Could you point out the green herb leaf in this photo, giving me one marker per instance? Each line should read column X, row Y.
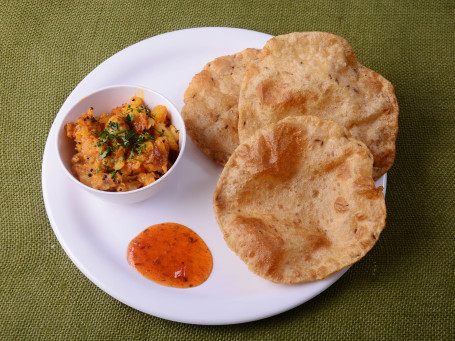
column 160, row 132
column 113, row 125
column 108, row 151
column 129, row 118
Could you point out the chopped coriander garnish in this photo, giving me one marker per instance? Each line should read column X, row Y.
column 129, row 118
column 147, row 110
column 107, row 151
column 112, row 137
column 160, row 132
column 126, row 138
column 113, row 125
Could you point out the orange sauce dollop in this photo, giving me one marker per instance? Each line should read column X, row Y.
column 171, row 254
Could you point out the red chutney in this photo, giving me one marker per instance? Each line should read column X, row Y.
column 171, row 254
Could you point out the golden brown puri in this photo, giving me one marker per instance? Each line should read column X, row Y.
column 315, row 73
column 211, row 105
column 297, row 201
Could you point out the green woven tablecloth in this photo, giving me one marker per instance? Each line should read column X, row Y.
column 403, row 289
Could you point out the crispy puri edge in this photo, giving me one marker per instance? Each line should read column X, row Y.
column 219, row 193
column 219, row 157
column 297, row 35
column 392, row 121
column 362, row 251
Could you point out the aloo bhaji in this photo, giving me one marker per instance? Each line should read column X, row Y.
column 126, row 149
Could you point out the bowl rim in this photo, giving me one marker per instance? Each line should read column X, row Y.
column 182, row 141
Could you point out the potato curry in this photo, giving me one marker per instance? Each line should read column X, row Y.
column 126, row 149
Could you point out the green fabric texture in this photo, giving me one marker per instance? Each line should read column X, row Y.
column 403, row 289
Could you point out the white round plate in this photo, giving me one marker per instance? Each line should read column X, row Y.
column 95, row 234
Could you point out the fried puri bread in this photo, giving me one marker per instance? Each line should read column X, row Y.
column 297, row 201
column 211, row 105
column 315, row 73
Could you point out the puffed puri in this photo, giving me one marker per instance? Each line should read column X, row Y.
column 297, row 201
column 317, row 73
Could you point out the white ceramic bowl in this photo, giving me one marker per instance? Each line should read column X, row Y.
column 104, row 100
